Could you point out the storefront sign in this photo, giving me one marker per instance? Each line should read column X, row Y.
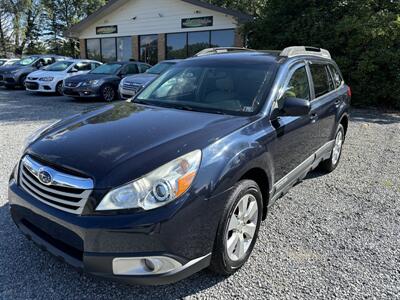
column 197, row 22
column 107, row 29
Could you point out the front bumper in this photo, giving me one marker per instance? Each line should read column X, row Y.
column 92, row 243
column 8, row 80
column 82, row 92
column 40, row 86
column 126, row 94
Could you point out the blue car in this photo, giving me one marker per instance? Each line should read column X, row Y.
column 179, row 178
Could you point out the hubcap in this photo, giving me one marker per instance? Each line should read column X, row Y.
column 337, row 149
column 108, row 93
column 242, row 227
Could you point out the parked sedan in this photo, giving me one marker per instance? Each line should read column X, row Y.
column 50, row 79
column 8, row 61
column 102, row 82
column 131, row 85
column 15, row 75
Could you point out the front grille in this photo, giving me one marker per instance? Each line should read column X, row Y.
column 60, row 190
column 33, row 78
column 71, row 84
column 132, row 87
column 32, row 85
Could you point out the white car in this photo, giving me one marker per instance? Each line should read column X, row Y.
column 8, row 61
column 50, row 79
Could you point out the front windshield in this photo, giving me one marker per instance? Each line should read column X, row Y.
column 27, row 61
column 109, row 69
column 229, row 88
column 159, row 68
column 59, row 66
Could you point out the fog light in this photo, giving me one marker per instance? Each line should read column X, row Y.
column 151, row 265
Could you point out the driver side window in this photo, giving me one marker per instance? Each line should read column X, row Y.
column 297, row 87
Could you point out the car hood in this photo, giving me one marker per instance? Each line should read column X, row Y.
column 87, row 77
column 141, row 79
column 122, row 142
column 8, row 69
column 43, row 73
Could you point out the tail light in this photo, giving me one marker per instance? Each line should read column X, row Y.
column 349, row 91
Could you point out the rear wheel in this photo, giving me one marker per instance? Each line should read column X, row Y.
column 59, row 88
column 238, row 228
column 108, row 93
column 331, row 164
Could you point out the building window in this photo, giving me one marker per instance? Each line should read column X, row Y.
column 124, row 48
column 198, row 41
column 108, row 50
column 222, row 38
column 148, row 45
column 93, row 49
column 183, row 45
column 176, row 45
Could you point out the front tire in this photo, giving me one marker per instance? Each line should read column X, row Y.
column 59, row 88
column 108, row 93
column 331, row 164
column 238, row 228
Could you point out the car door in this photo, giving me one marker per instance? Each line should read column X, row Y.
column 295, row 140
column 325, row 100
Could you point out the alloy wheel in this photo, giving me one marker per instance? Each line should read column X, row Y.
column 337, row 149
column 108, row 93
column 242, row 227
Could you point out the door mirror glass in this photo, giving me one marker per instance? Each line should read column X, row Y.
column 295, row 107
column 73, row 70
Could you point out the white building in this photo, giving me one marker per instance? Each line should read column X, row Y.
column 154, row 30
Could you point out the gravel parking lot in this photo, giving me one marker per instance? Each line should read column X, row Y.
column 332, row 236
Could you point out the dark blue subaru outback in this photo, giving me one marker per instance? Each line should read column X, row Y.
column 180, row 177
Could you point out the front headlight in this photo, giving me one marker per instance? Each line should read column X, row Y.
column 46, row 79
column 36, row 134
column 157, row 188
column 91, row 82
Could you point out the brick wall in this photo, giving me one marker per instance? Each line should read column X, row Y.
column 161, row 47
column 82, row 48
column 239, row 38
column 135, row 47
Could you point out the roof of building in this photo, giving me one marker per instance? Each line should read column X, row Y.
column 113, row 4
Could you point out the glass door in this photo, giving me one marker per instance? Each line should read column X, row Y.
column 149, row 49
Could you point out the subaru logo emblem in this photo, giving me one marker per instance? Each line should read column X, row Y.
column 45, row 177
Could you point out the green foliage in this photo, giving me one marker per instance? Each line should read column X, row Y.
column 363, row 37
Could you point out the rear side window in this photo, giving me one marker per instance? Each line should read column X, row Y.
column 323, row 82
column 337, row 78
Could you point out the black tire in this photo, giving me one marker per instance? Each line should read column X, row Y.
column 221, row 263
column 22, row 81
column 108, row 93
column 59, row 88
column 331, row 164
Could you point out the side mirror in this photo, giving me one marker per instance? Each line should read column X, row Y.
column 296, row 107
column 73, row 70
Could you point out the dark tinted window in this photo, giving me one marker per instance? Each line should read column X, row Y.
column 149, row 49
column 223, row 38
column 337, row 78
column 198, row 41
column 93, row 49
column 108, row 49
column 176, row 45
column 323, row 83
column 143, row 68
column 130, row 69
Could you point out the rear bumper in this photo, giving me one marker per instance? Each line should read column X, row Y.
column 91, row 243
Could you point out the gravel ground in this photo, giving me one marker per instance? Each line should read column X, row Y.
column 332, row 236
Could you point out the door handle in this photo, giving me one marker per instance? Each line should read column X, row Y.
column 313, row 117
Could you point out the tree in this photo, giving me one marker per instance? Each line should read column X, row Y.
column 363, row 37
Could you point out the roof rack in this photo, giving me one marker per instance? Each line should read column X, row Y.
column 305, row 50
column 218, row 50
